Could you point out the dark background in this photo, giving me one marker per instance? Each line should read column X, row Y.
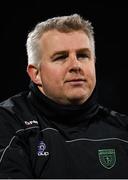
column 110, row 23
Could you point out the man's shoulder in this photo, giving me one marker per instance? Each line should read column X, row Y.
column 14, row 101
column 115, row 117
column 17, row 111
column 16, row 106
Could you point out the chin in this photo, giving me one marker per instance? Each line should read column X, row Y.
column 77, row 100
column 78, row 96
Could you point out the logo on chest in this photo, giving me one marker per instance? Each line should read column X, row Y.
column 107, row 157
column 41, row 149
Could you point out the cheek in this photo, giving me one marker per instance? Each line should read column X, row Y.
column 93, row 73
column 90, row 69
column 51, row 74
column 90, row 74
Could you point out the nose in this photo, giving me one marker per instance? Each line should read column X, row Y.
column 75, row 64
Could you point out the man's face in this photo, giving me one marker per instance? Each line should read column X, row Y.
column 67, row 69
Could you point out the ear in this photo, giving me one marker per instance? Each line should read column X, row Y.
column 34, row 74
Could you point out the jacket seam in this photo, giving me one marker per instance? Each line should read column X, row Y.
column 10, row 142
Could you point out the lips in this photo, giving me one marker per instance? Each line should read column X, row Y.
column 75, row 80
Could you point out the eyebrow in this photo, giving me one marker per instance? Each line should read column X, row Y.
column 66, row 52
column 83, row 50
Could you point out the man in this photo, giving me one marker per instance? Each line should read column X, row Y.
column 58, row 129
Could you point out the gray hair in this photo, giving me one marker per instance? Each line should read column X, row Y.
column 65, row 24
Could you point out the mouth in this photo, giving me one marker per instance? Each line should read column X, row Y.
column 76, row 82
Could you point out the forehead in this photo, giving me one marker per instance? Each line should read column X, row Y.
column 55, row 40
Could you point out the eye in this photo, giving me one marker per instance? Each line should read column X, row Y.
column 61, row 57
column 82, row 56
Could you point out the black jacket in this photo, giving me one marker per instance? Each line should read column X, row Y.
column 42, row 139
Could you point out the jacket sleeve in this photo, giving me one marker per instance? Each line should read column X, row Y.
column 14, row 159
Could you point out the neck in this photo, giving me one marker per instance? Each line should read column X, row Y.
column 64, row 113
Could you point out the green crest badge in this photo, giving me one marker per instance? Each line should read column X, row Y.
column 107, row 157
